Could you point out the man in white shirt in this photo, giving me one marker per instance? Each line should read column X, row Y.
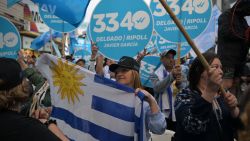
column 162, row 80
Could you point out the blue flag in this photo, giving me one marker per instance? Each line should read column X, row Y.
column 55, row 47
column 71, row 11
column 73, row 40
column 10, row 3
column 40, row 41
column 56, row 34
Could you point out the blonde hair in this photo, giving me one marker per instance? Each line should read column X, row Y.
column 10, row 99
column 136, row 79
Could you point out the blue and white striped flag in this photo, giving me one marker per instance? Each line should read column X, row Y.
column 44, row 38
column 40, row 41
column 88, row 107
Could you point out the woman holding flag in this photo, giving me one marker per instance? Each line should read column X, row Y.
column 202, row 112
column 127, row 73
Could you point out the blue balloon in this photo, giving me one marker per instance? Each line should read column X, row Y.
column 193, row 14
column 62, row 15
column 121, row 27
column 10, row 40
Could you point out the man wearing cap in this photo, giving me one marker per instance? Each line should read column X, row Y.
column 162, row 80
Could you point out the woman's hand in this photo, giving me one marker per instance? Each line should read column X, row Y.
column 232, row 103
column 150, row 99
column 231, row 100
column 42, row 114
column 21, row 61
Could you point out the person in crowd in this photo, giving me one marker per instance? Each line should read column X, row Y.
column 203, row 113
column 70, row 58
column 29, row 53
column 13, row 92
column 106, row 72
column 91, row 65
column 31, row 60
column 245, row 77
column 233, row 42
column 127, row 73
column 245, row 116
column 81, row 62
column 162, row 80
column 40, row 96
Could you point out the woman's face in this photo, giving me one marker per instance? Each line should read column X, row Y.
column 124, row 76
column 216, row 77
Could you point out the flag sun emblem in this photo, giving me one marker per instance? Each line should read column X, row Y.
column 68, row 79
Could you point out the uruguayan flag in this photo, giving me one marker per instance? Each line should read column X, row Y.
column 88, row 107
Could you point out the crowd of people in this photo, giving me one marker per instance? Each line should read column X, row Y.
column 199, row 111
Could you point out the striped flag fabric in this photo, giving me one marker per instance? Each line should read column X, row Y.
column 89, row 107
column 44, row 38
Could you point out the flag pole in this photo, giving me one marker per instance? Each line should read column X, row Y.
column 178, row 61
column 188, row 38
column 64, row 36
column 51, row 44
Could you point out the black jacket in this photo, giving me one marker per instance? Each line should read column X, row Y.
column 16, row 127
column 232, row 43
column 197, row 121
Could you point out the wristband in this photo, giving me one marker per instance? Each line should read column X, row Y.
column 48, row 122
